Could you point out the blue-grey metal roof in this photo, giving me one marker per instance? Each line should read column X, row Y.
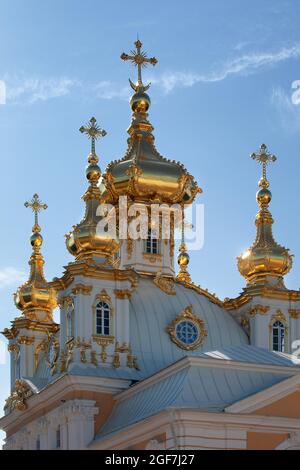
column 152, row 310
column 193, row 387
column 252, row 354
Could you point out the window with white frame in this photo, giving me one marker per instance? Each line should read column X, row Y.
column 278, row 336
column 103, row 318
column 152, row 243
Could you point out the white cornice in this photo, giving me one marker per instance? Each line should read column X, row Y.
column 57, row 391
column 160, row 422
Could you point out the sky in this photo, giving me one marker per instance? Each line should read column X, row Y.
column 225, row 82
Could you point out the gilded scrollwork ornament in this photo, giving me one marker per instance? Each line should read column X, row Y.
column 18, row 397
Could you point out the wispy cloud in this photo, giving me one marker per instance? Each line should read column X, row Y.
column 30, row 90
column 10, row 276
column 243, row 65
column 107, row 90
column 22, row 90
column 288, row 112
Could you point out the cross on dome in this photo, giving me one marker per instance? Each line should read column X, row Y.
column 263, row 157
column 93, row 131
column 139, row 59
column 36, row 205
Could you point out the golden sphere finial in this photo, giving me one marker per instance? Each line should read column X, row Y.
column 140, row 102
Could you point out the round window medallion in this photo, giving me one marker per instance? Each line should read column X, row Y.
column 187, row 332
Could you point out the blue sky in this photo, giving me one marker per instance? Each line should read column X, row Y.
column 222, row 86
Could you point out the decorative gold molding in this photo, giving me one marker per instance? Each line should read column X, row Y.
column 152, row 257
column 123, row 293
column 27, row 324
column 82, row 289
column 18, row 397
column 263, row 291
column 81, row 343
column 65, row 301
column 14, row 348
column 259, row 309
column 103, row 296
column 28, row 340
column 89, row 268
column 116, row 360
column 94, row 359
column 166, row 284
column 294, row 313
column 41, row 347
column 103, row 340
column 279, row 315
column 10, row 333
column 187, row 314
column 129, row 247
column 122, row 348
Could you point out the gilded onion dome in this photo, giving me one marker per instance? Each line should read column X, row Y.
column 87, row 239
column 265, row 259
column 35, row 298
column 143, row 174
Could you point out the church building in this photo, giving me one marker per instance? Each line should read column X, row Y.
column 142, row 356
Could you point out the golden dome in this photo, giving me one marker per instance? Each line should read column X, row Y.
column 265, row 259
column 143, row 174
column 87, row 239
column 35, row 298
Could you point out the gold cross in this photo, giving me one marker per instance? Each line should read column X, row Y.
column 263, row 157
column 139, row 59
column 93, row 131
column 36, row 205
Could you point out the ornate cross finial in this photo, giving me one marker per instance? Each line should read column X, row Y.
column 93, row 131
column 36, row 205
column 139, row 59
column 263, row 157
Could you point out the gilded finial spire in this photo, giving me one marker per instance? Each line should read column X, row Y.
column 265, row 260
column 86, row 240
column 36, row 205
column 263, row 157
column 183, row 258
column 139, row 59
column 93, row 131
column 35, row 297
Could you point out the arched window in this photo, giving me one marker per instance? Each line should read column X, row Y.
column 278, row 336
column 102, row 318
column 152, row 243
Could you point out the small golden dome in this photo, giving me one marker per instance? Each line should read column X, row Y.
column 35, row 298
column 265, row 259
column 87, row 239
